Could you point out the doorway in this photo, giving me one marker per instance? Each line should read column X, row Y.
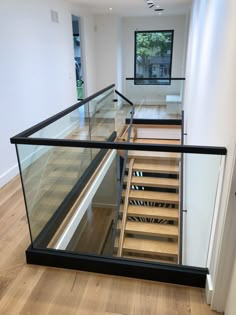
column 78, row 57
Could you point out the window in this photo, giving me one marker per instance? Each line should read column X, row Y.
column 153, row 57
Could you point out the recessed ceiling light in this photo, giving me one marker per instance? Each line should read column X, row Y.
column 110, row 9
column 157, row 6
column 160, row 13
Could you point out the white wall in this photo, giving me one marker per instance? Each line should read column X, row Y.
column 37, row 69
column 37, row 76
column 210, row 113
column 231, row 303
column 132, row 24
column 108, row 50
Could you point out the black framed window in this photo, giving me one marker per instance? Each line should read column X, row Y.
column 153, row 57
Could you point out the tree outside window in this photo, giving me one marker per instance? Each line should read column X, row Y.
column 153, row 56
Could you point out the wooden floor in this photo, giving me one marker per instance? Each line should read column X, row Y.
column 26, row 289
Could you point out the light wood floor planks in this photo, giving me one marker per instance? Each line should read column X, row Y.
column 26, row 289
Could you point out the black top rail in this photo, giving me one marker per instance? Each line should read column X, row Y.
column 48, row 121
column 141, row 79
column 194, row 149
column 125, row 98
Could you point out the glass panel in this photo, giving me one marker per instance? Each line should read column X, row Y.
column 50, row 174
column 127, row 210
column 156, row 101
column 92, row 121
column 74, row 125
column 102, row 116
column 94, row 233
column 201, row 180
column 123, row 111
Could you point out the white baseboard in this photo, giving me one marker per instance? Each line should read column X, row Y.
column 149, row 102
column 14, row 170
column 8, row 175
column 208, row 289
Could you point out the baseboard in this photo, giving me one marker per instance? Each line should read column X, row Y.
column 149, row 102
column 8, row 175
column 14, row 170
column 208, row 289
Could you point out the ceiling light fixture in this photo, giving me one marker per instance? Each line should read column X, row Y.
column 110, row 9
column 156, row 7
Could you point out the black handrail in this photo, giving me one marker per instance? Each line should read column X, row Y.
column 46, row 122
column 125, row 98
column 169, row 78
column 194, row 149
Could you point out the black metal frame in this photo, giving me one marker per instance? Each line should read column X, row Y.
column 171, row 57
column 143, row 121
column 184, row 275
column 140, row 79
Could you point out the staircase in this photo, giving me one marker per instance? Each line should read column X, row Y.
column 148, row 225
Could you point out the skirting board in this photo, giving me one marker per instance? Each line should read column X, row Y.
column 149, row 103
column 208, row 289
column 7, row 176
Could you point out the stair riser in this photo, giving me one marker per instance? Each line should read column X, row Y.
column 154, row 200
column 157, row 234
column 130, row 214
column 150, row 185
column 136, row 169
column 155, row 158
column 129, row 250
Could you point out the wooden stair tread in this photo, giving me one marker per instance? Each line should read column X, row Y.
column 158, row 141
column 154, row 196
column 151, row 247
column 155, row 155
column 157, row 126
column 151, row 229
column 154, row 229
column 153, row 212
column 154, row 181
column 155, row 167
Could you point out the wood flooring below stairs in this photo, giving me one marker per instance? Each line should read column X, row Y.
column 148, row 226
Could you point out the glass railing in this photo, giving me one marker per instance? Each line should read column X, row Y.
column 90, row 119
column 139, row 196
column 165, row 95
column 54, row 176
column 130, row 207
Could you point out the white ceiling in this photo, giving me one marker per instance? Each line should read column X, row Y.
column 135, row 7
